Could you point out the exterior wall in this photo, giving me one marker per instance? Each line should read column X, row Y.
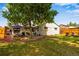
column 51, row 29
column 2, row 32
column 42, row 30
column 46, row 29
column 64, row 31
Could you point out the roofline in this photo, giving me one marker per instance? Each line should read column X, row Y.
column 56, row 24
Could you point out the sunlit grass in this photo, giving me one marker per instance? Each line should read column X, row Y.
column 45, row 47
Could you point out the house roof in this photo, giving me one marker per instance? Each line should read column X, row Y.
column 16, row 26
column 67, row 26
column 56, row 24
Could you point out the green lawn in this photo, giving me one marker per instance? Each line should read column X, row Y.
column 45, row 47
column 67, row 38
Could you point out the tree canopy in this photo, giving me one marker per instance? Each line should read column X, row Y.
column 29, row 14
column 72, row 24
column 24, row 13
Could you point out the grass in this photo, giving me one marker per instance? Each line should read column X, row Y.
column 67, row 38
column 44, row 47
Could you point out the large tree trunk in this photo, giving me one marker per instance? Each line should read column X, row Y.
column 30, row 28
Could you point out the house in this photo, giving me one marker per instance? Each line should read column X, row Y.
column 69, row 30
column 16, row 29
column 3, row 32
column 19, row 29
column 49, row 29
column 45, row 29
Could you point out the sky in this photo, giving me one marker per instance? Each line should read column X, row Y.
column 3, row 21
column 67, row 12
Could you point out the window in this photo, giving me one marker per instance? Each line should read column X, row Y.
column 55, row 28
column 73, row 34
column 67, row 34
column 45, row 27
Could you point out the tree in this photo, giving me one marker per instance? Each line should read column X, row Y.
column 29, row 14
column 72, row 24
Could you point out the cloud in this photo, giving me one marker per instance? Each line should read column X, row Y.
column 73, row 11
column 3, row 21
column 4, row 9
column 76, row 6
column 0, row 13
column 76, row 16
column 68, row 5
column 76, row 11
column 63, row 4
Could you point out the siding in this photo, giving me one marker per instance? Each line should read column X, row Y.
column 69, row 30
column 50, row 29
column 2, row 32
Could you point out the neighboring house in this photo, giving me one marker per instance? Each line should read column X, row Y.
column 3, row 32
column 69, row 30
column 19, row 29
column 16, row 29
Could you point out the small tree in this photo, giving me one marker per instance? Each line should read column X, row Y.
column 72, row 24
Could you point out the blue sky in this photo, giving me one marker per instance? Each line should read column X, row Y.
column 3, row 21
column 66, row 12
